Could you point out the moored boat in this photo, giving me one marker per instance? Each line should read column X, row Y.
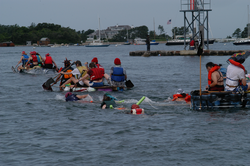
column 242, row 42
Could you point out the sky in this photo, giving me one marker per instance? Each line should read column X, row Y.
column 226, row 15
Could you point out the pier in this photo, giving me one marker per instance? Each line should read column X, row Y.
column 184, row 53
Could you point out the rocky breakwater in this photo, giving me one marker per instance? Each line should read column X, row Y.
column 184, row 53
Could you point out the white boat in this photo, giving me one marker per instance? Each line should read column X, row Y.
column 179, row 40
column 242, row 42
column 139, row 41
column 98, row 42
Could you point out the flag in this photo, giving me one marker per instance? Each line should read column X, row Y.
column 169, row 22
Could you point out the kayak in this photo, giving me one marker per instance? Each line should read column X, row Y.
column 218, row 99
column 92, row 89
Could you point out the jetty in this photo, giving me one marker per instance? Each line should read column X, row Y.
column 184, row 53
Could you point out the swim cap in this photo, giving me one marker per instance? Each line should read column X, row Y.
column 117, row 61
column 95, row 60
column 68, row 94
column 134, row 106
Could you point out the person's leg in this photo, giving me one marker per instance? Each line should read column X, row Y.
column 69, row 81
column 248, row 84
column 86, row 82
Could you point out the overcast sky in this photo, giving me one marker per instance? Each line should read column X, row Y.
column 225, row 17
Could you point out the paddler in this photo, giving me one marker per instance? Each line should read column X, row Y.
column 106, row 76
column 64, row 77
column 236, row 78
column 79, row 72
column 48, row 62
column 24, row 60
column 215, row 77
column 39, row 59
column 73, row 97
column 33, row 59
column 118, row 74
column 95, row 75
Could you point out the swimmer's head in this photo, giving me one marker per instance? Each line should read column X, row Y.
column 68, row 94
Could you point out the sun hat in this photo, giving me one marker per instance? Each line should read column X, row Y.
column 180, row 91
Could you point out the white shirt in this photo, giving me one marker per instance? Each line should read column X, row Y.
column 77, row 73
column 234, row 74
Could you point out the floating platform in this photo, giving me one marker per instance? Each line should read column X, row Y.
column 184, row 53
column 216, row 99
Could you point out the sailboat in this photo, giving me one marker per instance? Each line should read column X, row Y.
column 98, row 42
column 127, row 43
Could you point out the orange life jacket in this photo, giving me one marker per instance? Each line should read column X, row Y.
column 176, row 96
column 213, row 69
column 68, row 75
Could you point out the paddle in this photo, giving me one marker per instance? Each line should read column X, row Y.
column 13, row 69
column 47, row 86
column 129, row 84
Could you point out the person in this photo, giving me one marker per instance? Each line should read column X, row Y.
column 95, row 75
column 33, row 59
column 95, row 61
column 73, row 97
column 118, row 74
column 108, row 101
column 24, row 60
column 148, row 43
column 191, row 44
column 64, row 77
column 235, row 76
column 48, row 62
column 215, row 77
column 79, row 72
column 182, row 96
column 39, row 59
column 105, row 75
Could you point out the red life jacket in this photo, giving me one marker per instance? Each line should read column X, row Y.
column 48, row 60
column 236, row 64
column 213, row 69
column 100, row 67
column 97, row 74
column 34, row 58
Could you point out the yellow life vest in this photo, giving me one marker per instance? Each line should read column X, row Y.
column 82, row 70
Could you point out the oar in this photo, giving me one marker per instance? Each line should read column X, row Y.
column 47, row 86
column 13, row 69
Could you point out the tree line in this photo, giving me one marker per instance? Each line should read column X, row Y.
column 58, row 34
column 240, row 34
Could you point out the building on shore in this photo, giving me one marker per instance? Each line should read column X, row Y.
column 110, row 32
column 44, row 41
column 7, row 44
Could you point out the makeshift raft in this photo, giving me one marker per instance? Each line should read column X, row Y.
column 216, row 99
column 92, row 89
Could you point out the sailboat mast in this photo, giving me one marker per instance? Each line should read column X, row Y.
column 154, row 28
column 99, row 30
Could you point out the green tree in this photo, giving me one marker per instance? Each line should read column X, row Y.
column 179, row 30
column 161, row 29
column 244, row 33
column 237, row 33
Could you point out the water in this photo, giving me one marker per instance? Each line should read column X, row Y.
column 40, row 128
